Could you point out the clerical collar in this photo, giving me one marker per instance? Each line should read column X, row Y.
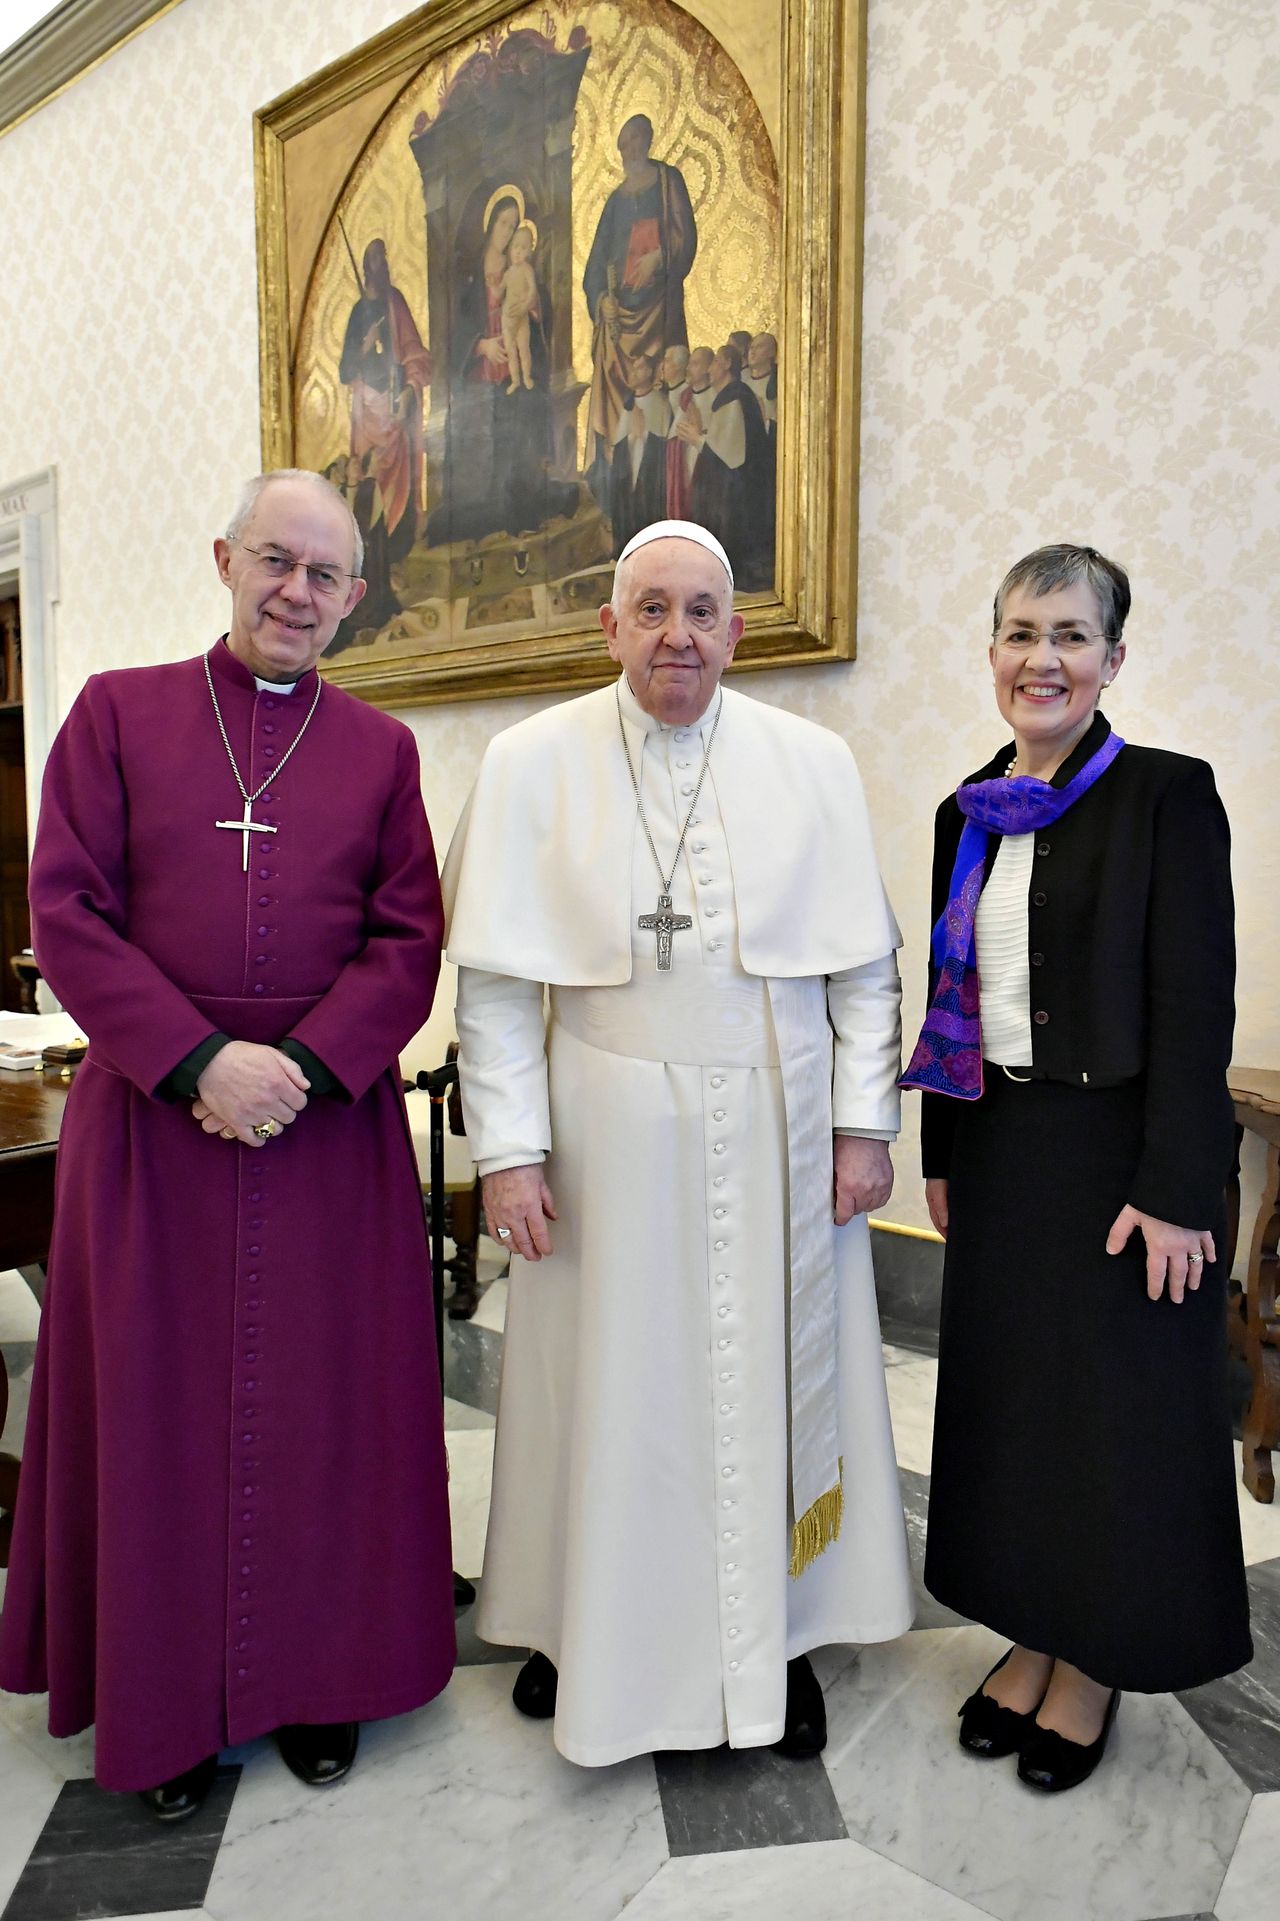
column 275, row 686
column 649, row 723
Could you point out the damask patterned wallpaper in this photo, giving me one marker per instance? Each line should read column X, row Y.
column 1072, row 321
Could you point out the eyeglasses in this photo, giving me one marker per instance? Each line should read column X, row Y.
column 1020, row 640
column 280, row 565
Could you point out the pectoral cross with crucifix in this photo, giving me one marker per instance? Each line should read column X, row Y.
column 247, row 826
column 664, row 924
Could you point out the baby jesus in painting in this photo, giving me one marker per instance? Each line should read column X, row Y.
column 519, row 298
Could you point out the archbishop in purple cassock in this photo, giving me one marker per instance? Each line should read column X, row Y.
column 233, row 1514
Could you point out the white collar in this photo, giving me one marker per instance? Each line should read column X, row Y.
column 649, row 723
column 274, row 686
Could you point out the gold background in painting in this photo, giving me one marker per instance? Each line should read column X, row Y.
column 647, row 57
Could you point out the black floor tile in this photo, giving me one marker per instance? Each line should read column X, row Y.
column 1241, row 1714
column 103, row 1854
column 720, row 1799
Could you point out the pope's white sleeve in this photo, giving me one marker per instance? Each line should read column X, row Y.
column 502, row 1066
column 865, row 1005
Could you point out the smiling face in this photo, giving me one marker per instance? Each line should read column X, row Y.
column 675, row 629
column 280, row 627
column 1050, row 666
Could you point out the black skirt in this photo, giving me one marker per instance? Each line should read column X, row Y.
column 1082, row 1499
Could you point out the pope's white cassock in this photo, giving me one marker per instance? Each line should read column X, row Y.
column 684, row 1376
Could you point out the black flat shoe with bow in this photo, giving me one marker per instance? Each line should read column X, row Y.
column 805, row 1731
column 535, row 1690
column 319, row 1754
column 990, row 1730
column 185, row 1795
column 1050, row 1762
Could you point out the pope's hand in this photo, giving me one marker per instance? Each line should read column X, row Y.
column 244, row 1085
column 518, row 1198
column 863, row 1175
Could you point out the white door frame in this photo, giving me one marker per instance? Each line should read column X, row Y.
column 29, row 558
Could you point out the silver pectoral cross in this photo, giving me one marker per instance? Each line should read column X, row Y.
column 246, row 826
column 664, row 924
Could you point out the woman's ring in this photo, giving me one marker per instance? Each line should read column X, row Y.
column 265, row 1129
column 503, row 1233
column 1193, row 1258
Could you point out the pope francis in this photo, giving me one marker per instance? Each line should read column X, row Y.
column 694, row 1478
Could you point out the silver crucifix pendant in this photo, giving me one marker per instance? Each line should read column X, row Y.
column 246, row 827
column 664, row 924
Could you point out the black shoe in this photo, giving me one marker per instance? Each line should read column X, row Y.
column 989, row 1730
column 535, row 1690
column 1050, row 1762
column 805, row 1733
column 319, row 1755
column 179, row 1799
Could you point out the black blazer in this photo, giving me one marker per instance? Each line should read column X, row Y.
column 1132, row 952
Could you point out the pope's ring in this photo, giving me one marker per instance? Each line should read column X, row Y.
column 264, row 1130
column 503, row 1233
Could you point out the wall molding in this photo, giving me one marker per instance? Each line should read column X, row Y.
column 62, row 48
column 29, row 554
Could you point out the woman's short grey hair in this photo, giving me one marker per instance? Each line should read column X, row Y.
column 252, row 490
column 1049, row 568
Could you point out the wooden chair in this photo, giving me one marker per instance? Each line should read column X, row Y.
column 461, row 1189
column 1253, row 1323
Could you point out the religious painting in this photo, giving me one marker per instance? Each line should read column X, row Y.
column 534, row 277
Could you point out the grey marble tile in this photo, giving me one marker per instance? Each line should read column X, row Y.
column 1152, row 1833
column 908, row 1288
column 28, row 1790
column 463, row 1810
column 915, row 1508
column 1253, row 1880
column 472, row 1364
column 19, row 1309
column 470, row 1479
column 722, row 1798
column 825, row 1881
column 911, row 1381
column 103, row 1854
column 1241, row 1713
column 19, row 1357
column 458, row 1416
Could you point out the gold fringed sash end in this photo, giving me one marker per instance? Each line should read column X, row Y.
column 816, row 1529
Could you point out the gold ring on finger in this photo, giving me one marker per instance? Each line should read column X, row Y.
column 265, row 1129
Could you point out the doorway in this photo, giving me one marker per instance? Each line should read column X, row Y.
column 15, row 920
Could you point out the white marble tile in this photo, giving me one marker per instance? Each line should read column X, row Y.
column 464, row 1809
column 15, row 1426
column 912, row 1381
column 19, row 1311
column 26, row 1718
column 492, row 1311
column 1252, row 1886
column 470, row 1476
column 458, row 1416
column 822, row 1881
column 1150, row 1834
column 1259, row 1520
column 28, row 1790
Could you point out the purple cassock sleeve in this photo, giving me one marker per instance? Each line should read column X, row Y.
column 79, row 903
column 381, row 998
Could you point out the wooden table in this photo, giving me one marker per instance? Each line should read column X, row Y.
column 1255, row 1308
column 31, row 1107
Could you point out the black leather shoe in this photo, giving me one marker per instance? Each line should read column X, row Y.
column 989, row 1730
column 1050, row 1762
column 179, row 1799
column 805, row 1732
column 535, row 1690
column 319, row 1755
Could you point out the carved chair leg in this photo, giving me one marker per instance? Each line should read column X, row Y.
column 1261, row 1426
column 466, row 1232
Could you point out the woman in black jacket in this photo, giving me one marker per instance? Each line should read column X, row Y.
column 1077, row 1138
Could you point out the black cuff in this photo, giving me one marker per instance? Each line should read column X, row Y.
column 180, row 1084
column 323, row 1081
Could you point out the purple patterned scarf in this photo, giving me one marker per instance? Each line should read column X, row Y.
column 948, row 1056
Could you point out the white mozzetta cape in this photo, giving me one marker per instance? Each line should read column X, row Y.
column 545, row 893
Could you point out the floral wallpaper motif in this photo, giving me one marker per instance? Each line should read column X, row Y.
column 1071, row 328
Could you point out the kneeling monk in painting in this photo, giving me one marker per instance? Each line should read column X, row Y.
column 694, row 1479
column 233, row 1513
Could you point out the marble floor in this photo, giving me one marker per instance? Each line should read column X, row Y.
column 465, row 1810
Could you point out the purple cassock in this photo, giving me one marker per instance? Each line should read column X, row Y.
column 233, row 1512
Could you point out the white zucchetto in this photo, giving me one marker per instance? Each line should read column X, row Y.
column 677, row 530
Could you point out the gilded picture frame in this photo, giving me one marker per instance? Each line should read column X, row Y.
column 479, row 235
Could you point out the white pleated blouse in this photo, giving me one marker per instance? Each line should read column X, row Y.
column 1002, row 940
